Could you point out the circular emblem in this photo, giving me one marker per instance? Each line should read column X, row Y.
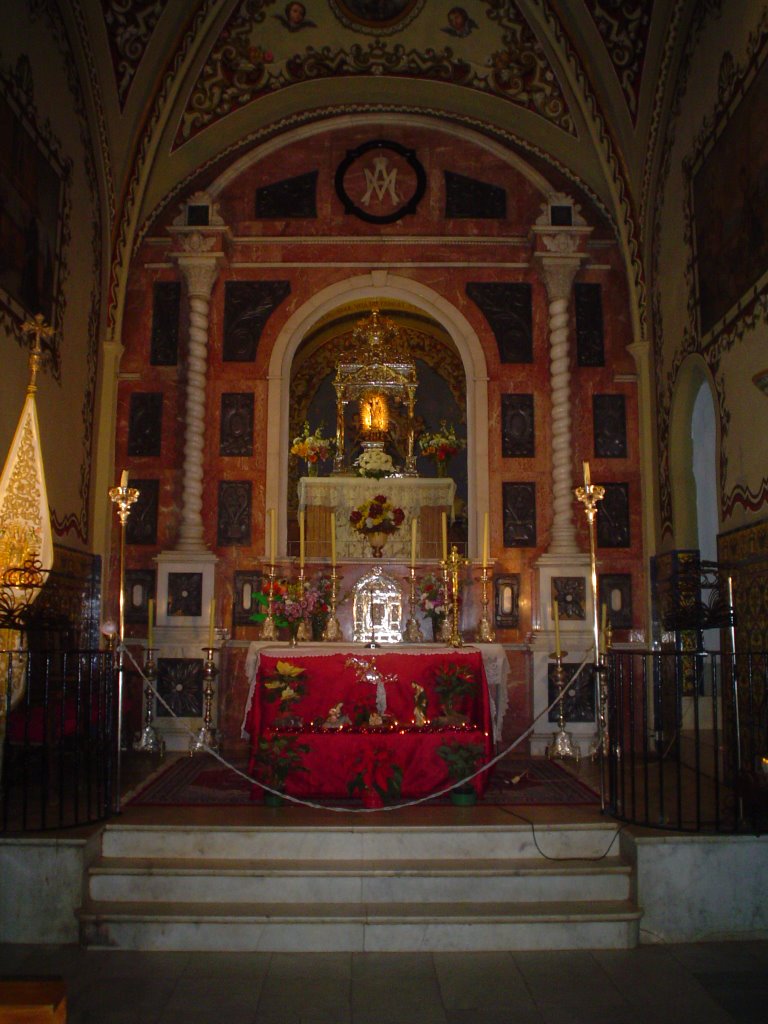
column 380, row 182
column 378, row 17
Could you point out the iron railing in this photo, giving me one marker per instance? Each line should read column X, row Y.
column 58, row 752
column 687, row 740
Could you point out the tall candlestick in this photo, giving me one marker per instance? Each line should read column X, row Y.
column 414, row 527
column 272, row 536
column 557, row 628
column 124, row 478
column 212, row 624
column 333, row 539
column 603, row 629
column 586, row 474
column 301, row 538
column 486, row 557
column 444, row 531
column 150, row 621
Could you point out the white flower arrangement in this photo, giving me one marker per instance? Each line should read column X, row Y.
column 374, row 462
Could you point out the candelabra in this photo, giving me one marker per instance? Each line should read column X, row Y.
column 122, row 497
column 206, row 735
column 485, row 633
column 451, row 567
column 444, row 632
column 148, row 742
column 332, row 630
column 412, row 633
column 268, row 626
column 563, row 744
column 303, row 631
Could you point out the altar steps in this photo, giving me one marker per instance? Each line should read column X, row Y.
column 359, row 888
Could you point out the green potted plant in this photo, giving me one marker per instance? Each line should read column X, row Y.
column 453, row 682
column 462, row 759
column 278, row 757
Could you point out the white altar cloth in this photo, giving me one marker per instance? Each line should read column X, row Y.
column 494, row 658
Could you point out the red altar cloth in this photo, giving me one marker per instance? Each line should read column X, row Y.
column 335, row 757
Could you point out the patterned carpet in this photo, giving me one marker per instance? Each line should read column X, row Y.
column 203, row 781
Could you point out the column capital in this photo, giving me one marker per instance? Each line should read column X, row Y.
column 200, row 268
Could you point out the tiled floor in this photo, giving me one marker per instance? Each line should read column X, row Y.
column 713, row 983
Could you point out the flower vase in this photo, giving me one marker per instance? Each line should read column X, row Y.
column 293, row 633
column 377, row 539
column 312, row 469
column 437, row 627
column 441, row 467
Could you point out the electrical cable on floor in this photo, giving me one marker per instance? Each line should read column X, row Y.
column 388, row 807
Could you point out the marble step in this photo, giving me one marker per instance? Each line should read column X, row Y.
column 363, row 843
column 521, row 880
column 333, row 927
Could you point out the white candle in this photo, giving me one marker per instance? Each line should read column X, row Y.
column 414, row 528
column 301, row 538
column 150, row 621
column 557, row 629
column 212, row 624
column 124, row 478
column 444, row 531
column 586, row 474
column 486, row 558
column 332, row 517
column 272, row 536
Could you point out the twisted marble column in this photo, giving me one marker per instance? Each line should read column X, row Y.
column 558, row 274
column 200, row 273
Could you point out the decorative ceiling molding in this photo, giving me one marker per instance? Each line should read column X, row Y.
column 624, row 28
column 129, row 25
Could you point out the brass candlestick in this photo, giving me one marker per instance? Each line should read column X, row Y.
column 303, row 633
column 206, row 736
column 454, row 563
column 444, row 633
column 412, row 633
column 148, row 741
column 589, row 495
column 485, row 633
column 268, row 626
column 332, row 630
column 563, row 745
column 122, row 498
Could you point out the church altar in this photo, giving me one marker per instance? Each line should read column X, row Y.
column 422, row 497
column 331, row 757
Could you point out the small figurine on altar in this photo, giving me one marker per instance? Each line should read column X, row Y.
column 419, row 705
column 336, row 718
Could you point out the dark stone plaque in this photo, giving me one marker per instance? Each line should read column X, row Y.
column 236, row 426
column 180, row 684
column 185, row 594
column 139, row 587
column 247, row 307
column 579, row 703
column 164, row 342
column 570, row 592
column 613, row 517
column 234, row 519
column 470, row 198
column 519, row 509
column 517, row 426
column 141, row 527
column 288, row 199
column 590, row 349
column 145, row 421
column 609, row 418
column 506, row 603
column 508, row 310
column 615, row 592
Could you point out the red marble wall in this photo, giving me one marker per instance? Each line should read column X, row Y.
column 486, row 250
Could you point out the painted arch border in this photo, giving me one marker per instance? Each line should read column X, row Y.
column 382, row 286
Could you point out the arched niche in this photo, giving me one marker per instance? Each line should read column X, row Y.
column 379, row 288
column 694, row 395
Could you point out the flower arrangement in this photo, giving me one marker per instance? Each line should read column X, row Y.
column 286, row 685
column 378, row 777
column 430, row 595
column 452, row 683
column 374, row 462
column 276, row 758
column 377, row 515
column 441, row 445
column 313, row 448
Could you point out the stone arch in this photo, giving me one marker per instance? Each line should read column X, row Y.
column 379, row 286
column 694, row 374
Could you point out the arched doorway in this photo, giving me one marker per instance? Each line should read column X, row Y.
column 427, row 314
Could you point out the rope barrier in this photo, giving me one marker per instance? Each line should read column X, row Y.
column 366, row 810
